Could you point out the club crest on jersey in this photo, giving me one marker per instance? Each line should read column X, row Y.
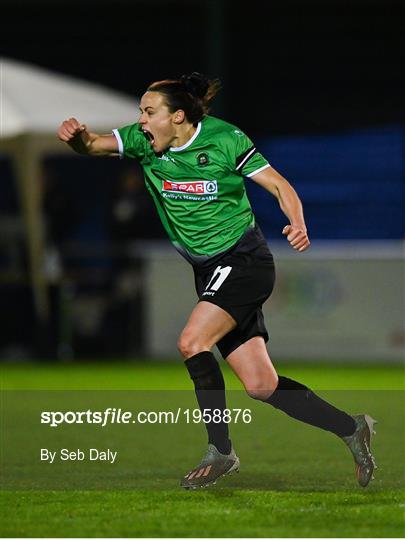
column 202, row 159
column 200, row 187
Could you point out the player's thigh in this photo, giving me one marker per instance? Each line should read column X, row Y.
column 207, row 324
column 252, row 365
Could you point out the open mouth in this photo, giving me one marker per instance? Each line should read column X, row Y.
column 149, row 136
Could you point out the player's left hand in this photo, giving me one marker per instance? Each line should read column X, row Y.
column 297, row 236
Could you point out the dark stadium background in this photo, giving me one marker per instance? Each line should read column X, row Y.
column 309, row 81
column 291, row 66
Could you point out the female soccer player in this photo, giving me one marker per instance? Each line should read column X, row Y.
column 195, row 166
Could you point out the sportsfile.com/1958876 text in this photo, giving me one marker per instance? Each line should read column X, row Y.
column 113, row 415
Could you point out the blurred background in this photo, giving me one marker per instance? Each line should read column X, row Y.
column 85, row 268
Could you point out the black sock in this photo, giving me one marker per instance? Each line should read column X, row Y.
column 210, row 391
column 301, row 403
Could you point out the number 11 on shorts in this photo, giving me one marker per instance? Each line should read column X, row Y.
column 218, row 277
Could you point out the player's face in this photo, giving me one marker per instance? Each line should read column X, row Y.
column 157, row 121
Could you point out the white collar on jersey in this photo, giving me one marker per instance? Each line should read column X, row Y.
column 190, row 141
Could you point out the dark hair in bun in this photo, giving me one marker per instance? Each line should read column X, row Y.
column 191, row 93
column 196, row 84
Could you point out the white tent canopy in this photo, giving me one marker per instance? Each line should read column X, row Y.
column 33, row 102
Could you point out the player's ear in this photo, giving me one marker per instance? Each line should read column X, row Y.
column 179, row 116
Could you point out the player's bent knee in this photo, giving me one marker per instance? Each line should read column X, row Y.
column 189, row 345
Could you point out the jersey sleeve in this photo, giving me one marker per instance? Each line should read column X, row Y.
column 131, row 142
column 247, row 161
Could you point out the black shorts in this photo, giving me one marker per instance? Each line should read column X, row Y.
column 239, row 282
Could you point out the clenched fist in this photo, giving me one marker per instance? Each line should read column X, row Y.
column 69, row 129
column 297, row 236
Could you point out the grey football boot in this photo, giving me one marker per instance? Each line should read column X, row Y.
column 213, row 466
column 359, row 445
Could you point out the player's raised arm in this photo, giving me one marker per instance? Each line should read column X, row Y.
column 82, row 141
column 290, row 204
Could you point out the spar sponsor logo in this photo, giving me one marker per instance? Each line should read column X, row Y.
column 199, row 187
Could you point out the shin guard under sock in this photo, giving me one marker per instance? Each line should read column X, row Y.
column 301, row 403
column 209, row 385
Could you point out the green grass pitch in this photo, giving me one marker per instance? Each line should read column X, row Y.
column 295, row 481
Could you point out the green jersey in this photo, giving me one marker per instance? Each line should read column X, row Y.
column 199, row 188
